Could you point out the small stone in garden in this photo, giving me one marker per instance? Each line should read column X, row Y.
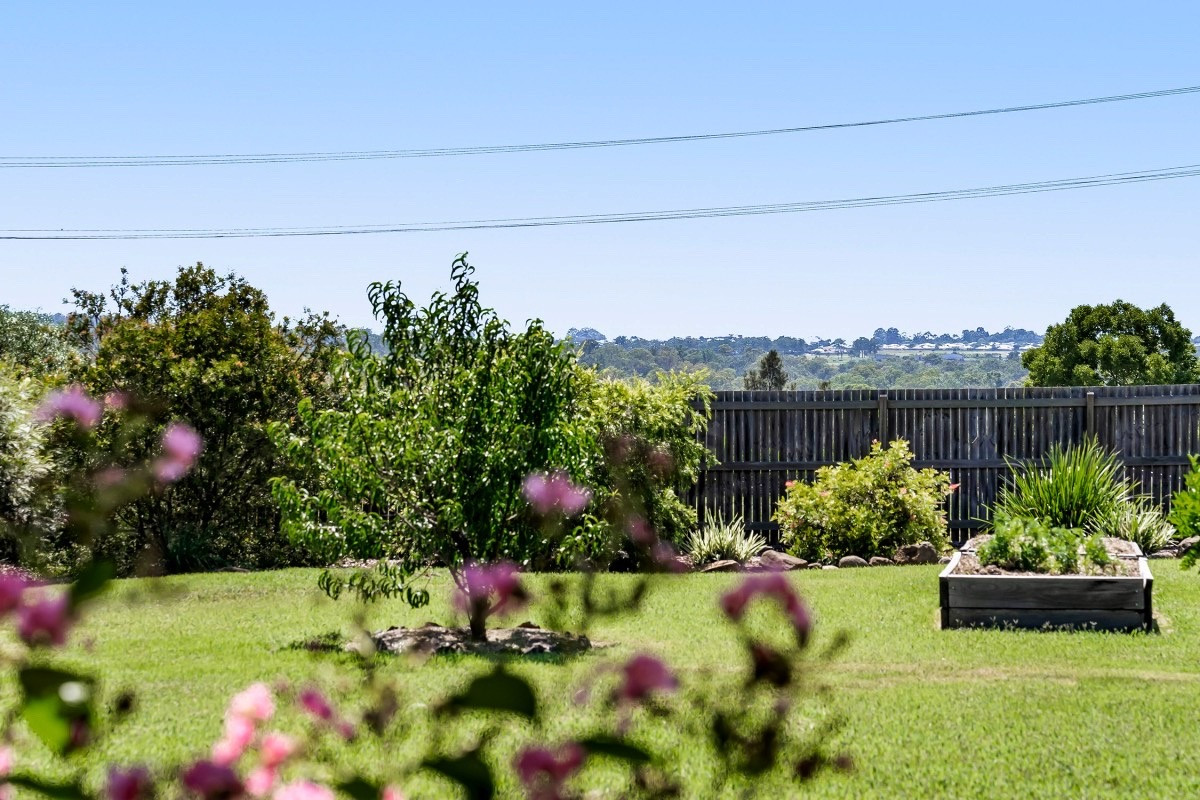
column 829, row 566
column 944, row 560
column 1188, row 544
column 773, row 559
column 921, row 553
column 847, row 562
column 815, row 565
column 1163, row 554
column 880, row 561
column 525, row 639
column 725, row 565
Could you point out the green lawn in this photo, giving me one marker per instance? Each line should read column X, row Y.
column 928, row 713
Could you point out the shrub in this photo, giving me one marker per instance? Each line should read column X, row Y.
column 1029, row 544
column 719, row 540
column 865, row 507
column 1080, row 486
column 1185, row 511
column 1138, row 520
column 23, row 462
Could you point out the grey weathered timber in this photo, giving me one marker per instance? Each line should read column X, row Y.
column 761, row 440
column 1056, row 601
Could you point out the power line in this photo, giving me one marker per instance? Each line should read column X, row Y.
column 75, row 162
column 1058, row 185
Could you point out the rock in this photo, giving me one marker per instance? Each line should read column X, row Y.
column 944, row 560
column 846, row 562
column 922, row 553
column 815, row 565
column 525, row 639
column 1188, row 544
column 1163, row 554
column 829, row 566
column 880, row 561
column 773, row 559
column 725, row 565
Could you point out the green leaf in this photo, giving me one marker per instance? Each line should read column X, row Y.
column 468, row 771
column 91, row 582
column 359, row 789
column 56, row 791
column 498, row 691
column 615, row 747
column 52, row 701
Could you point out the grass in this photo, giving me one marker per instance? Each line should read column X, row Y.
column 929, row 713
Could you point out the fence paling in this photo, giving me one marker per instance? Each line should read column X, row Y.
column 762, row 439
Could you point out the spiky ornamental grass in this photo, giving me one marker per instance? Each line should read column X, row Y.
column 719, row 540
column 1079, row 486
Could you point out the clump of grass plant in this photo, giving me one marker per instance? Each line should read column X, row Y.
column 1138, row 521
column 719, row 540
column 1080, row 485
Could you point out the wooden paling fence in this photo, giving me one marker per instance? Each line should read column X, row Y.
column 762, row 439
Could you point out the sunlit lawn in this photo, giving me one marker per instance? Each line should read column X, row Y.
column 928, row 713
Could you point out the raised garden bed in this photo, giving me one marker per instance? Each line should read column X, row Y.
column 986, row 597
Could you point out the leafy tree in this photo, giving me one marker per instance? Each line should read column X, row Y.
column 205, row 349
column 24, row 465
column 31, row 344
column 425, row 459
column 864, row 345
column 1114, row 345
column 769, row 373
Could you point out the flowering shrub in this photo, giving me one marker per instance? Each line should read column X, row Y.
column 868, row 506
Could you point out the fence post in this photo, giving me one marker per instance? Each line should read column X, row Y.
column 1089, row 420
column 882, row 411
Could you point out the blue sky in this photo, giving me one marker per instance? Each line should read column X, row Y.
column 137, row 79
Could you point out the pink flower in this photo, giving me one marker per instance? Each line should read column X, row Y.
column 315, row 703
column 303, row 790
column 482, row 582
column 254, row 702
column 12, row 587
column 212, row 781
column 129, row 784
column 642, row 675
column 116, row 400
column 773, row 585
column 276, row 748
column 45, row 621
column 260, row 781
column 555, row 493
column 181, row 445
column 544, row 772
column 391, row 793
column 6, row 761
column 70, row 403
column 239, row 732
column 641, row 533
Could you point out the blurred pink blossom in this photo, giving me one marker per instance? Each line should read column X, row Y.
column 665, row 556
column 482, row 582
column 70, row 403
column 640, row 532
column 116, row 400
column 45, row 621
column 303, row 790
column 555, row 493
column 315, row 703
column 391, row 793
column 239, row 732
column 773, row 585
column 181, row 445
column 129, row 784
column 276, row 748
column 254, row 702
column 12, row 587
column 642, row 675
column 260, row 781
column 544, row 772
column 6, row 760
column 212, row 781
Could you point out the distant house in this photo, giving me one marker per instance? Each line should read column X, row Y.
column 954, row 357
column 830, row 350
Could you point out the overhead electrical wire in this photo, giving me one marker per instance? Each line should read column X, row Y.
column 77, row 162
column 1062, row 184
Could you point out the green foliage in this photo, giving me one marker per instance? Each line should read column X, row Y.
column 1114, row 345
column 424, row 459
column 205, row 349
column 1028, row 544
column 24, row 466
column 1185, row 511
column 1138, row 520
column 1080, row 485
column 719, row 540
column 31, row 344
column 769, row 374
column 649, row 452
column 866, row 507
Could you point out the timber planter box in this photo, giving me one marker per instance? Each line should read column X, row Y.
column 1100, row 602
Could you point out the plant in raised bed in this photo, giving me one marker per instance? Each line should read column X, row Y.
column 865, row 507
column 1028, row 544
